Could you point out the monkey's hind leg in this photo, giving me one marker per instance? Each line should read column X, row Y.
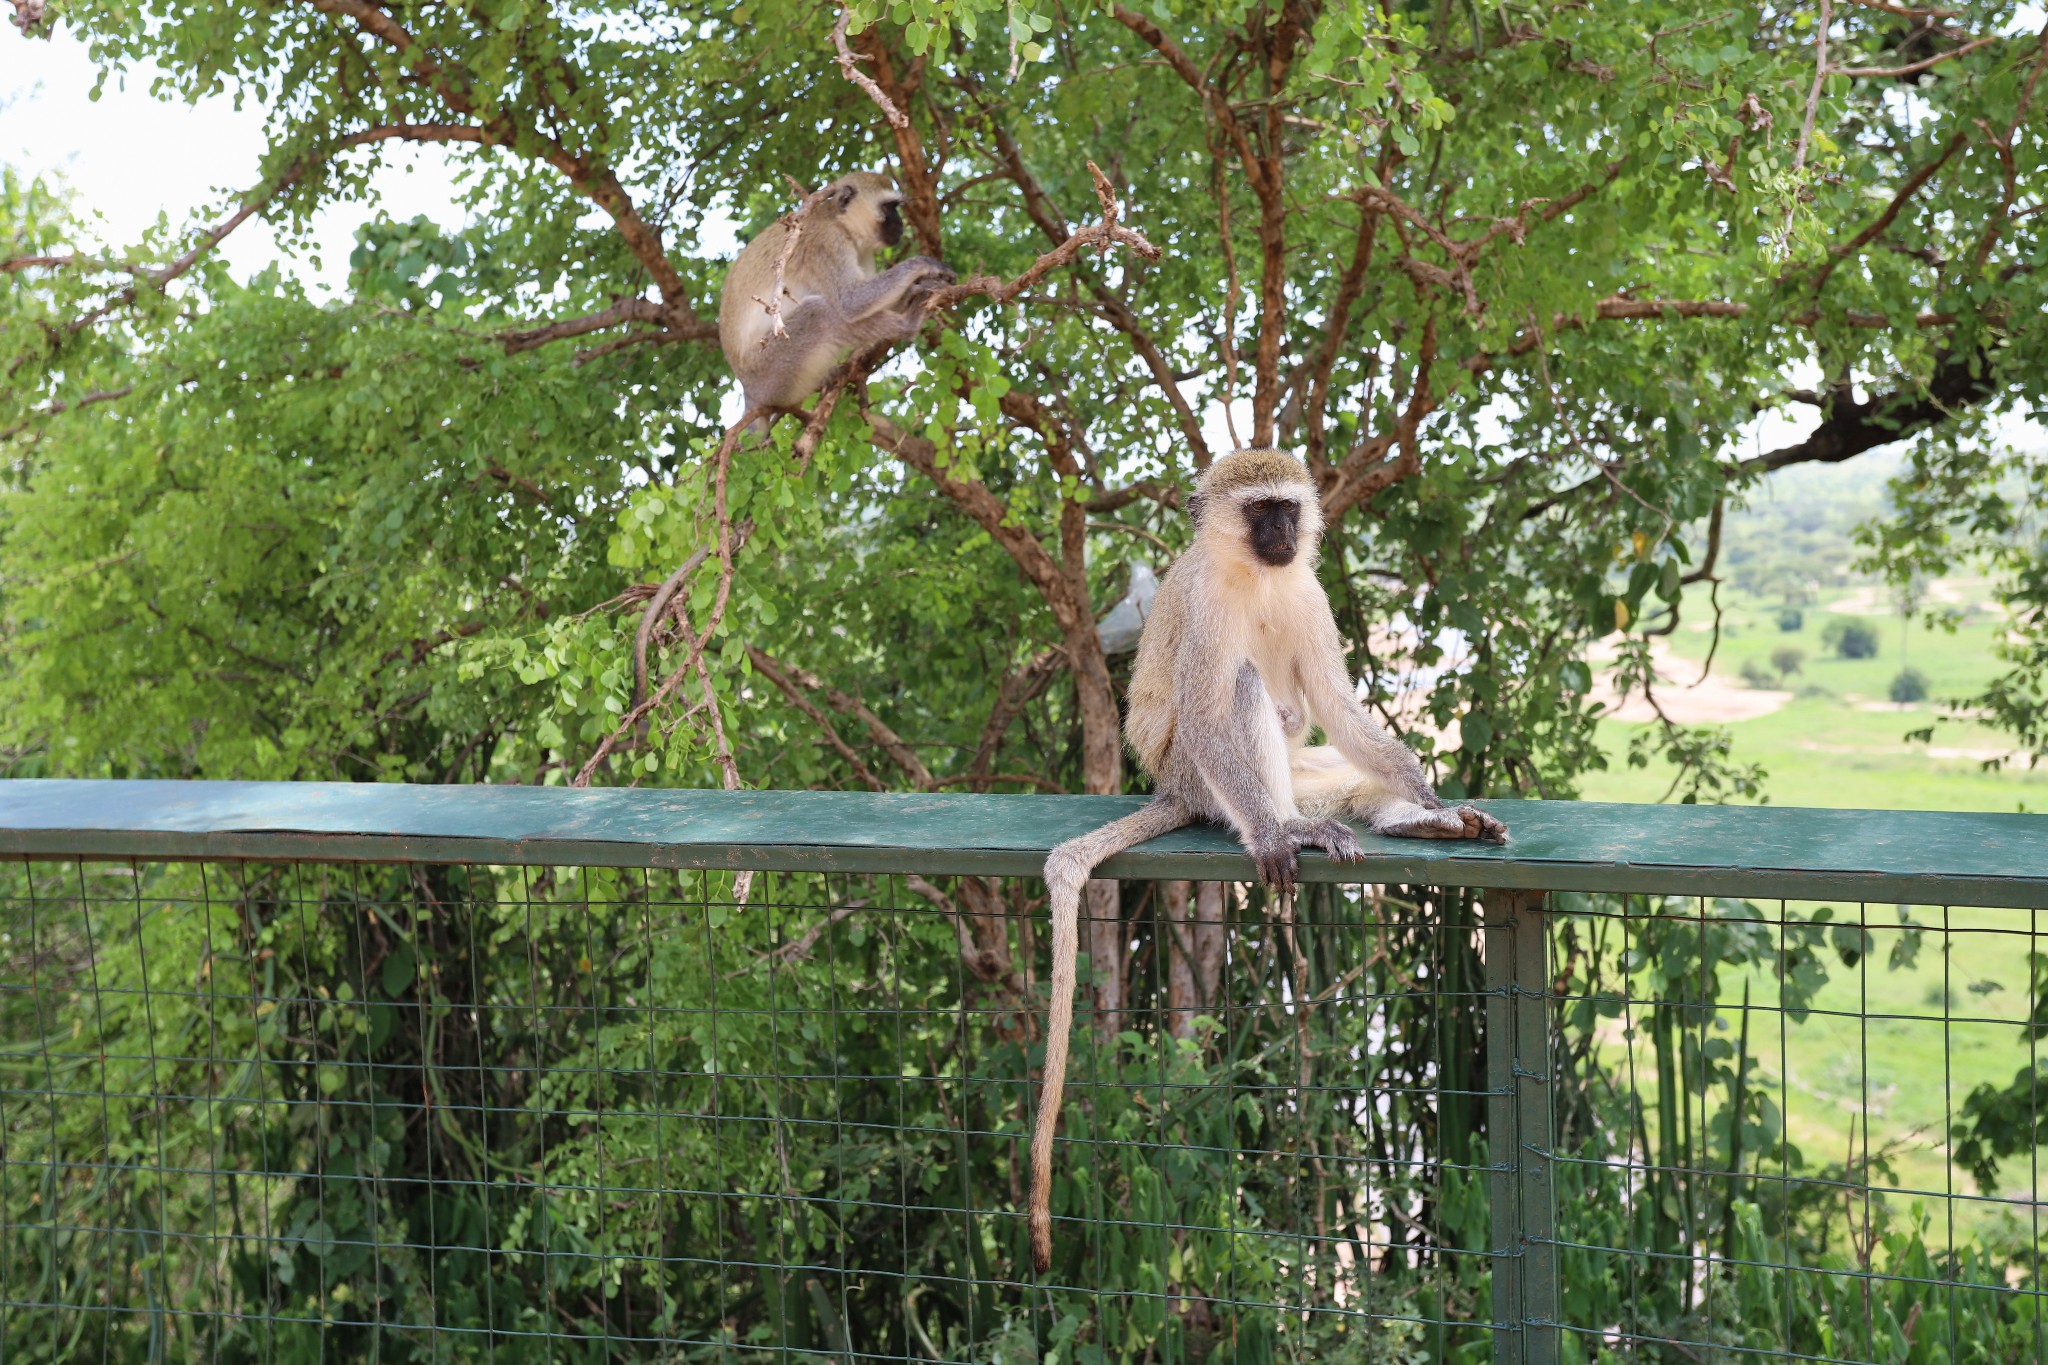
column 1327, row 785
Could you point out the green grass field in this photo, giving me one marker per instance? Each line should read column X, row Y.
column 1878, row 1043
column 1840, row 743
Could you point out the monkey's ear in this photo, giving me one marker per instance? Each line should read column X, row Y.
column 843, row 196
column 1194, row 506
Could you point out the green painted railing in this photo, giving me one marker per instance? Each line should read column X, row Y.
column 359, row 1072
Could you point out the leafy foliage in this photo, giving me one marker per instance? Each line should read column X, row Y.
column 1510, row 279
column 411, row 1114
column 1850, row 639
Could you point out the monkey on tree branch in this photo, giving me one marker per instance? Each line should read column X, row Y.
column 821, row 261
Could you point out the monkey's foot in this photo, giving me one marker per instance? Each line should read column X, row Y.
column 1333, row 837
column 1450, row 822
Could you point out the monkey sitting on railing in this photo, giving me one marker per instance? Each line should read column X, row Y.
column 1239, row 655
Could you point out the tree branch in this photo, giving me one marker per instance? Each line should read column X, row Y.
column 594, row 182
column 1016, row 691
column 1366, row 471
column 1996, row 226
column 520, row 339
column 987, row 511
column 785, row 676
column 1820, row 76
column 1852, row 427
column 766, row 665
column 1906, row 191
column 1101, row 235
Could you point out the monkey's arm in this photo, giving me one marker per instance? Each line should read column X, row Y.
column 1332, row 699
column 1410, row 808
column 890, row 290
column 1226, row 736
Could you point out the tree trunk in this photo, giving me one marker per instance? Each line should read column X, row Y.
column 1194, row 971
column 1181, row 999
column 1209, row 937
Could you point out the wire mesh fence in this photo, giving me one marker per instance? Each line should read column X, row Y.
column 448, row 1112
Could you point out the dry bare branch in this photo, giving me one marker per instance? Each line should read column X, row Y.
column 1893, row 72
column 847, row 63
column 792, row 229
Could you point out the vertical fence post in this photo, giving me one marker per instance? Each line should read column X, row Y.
column 1518, row 1129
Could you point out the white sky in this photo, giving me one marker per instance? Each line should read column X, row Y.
column 131, row 157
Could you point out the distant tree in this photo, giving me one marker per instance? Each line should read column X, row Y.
column 1791, row 619
column 1787, row 659
column 1755, row 674
column 1850, row 639
column 1909, row 686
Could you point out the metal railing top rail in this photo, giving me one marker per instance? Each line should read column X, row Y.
column 1911, row 857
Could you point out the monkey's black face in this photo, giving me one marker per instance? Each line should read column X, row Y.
column 892, row 222
column 1275, row 526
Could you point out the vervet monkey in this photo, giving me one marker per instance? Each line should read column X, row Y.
column 1238, row 657
column 834, row 303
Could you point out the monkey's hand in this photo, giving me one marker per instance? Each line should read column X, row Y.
column 932, row 273
column 1277, row 863
column 1411, row 821
column 1333, row 837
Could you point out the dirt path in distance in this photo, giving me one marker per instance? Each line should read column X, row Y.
column 1685, row 696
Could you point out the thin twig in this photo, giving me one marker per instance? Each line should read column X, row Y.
column 656, row 606
column 1907, row 11
column 799, row 948
column 792, row 228
column 1892, row 72
column 847, row 61
column 1820, row 75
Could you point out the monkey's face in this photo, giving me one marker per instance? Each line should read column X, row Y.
column 1273, row 526
column 891, row 209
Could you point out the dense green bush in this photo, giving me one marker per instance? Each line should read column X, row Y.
column 1850, row 639
column 542, row 1111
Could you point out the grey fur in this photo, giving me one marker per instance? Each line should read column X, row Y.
column 1221, row 739
column 835, row 303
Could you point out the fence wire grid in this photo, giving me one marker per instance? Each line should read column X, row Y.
column 374, row 1112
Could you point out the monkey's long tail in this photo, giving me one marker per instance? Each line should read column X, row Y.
column 1067, row 869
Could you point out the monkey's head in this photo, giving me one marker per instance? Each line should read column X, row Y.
column 870, row 206
column 1260, row 503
